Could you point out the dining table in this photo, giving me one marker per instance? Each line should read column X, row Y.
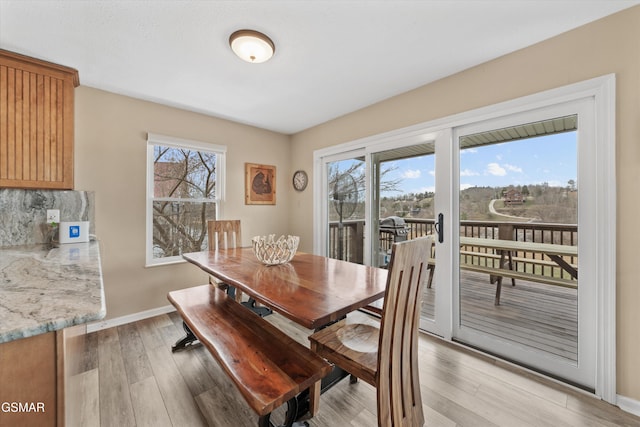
column 313, row 291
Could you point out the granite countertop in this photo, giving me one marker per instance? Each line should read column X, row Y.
column 45, row 288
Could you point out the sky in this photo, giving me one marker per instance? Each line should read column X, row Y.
column 551, row 159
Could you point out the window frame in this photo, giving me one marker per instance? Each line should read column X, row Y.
column 154, row 140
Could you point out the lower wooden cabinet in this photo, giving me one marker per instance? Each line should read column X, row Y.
column 28, row 374
column 34, row 375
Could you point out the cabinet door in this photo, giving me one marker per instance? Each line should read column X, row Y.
column 36, row 123
column 28, row 391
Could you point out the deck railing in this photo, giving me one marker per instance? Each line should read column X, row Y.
column 351, row 247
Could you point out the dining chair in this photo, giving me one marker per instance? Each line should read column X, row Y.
column 224, row 234
column 387, row 357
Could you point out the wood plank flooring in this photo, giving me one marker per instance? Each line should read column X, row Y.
column 131, row 378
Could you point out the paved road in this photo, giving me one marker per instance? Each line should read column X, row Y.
column 492, row 209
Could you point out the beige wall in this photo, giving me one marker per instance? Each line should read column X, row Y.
column 611, row 45
column 111, row 141
column 110, row 159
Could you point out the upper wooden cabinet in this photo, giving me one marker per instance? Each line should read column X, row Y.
column 36, row 122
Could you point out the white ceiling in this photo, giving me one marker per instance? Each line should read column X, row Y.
column 332, row 57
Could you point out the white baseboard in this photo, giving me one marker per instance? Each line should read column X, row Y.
column 628, row 405
column 117, row 321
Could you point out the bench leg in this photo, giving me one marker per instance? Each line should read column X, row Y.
column 509, row 254
column 290, row 417
column 314, row 398
column 185, row 342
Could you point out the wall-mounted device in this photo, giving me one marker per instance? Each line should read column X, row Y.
column 74, row 232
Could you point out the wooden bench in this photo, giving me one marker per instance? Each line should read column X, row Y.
column 496, row 274
column 267, row 366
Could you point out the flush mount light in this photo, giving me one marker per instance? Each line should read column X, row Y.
column 251, row 46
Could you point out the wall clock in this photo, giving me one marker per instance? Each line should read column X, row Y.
column 300, row 180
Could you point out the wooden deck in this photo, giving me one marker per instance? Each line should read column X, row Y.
column 541, row 316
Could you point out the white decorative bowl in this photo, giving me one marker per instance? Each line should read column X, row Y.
column 271, row 251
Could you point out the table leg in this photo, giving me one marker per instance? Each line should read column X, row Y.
column 565, row 265
column 185, row 342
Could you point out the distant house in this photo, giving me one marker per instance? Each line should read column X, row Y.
column 512, row 197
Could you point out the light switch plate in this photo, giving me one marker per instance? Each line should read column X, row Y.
column 53, row 215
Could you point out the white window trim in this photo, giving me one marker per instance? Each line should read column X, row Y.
column 170, row 141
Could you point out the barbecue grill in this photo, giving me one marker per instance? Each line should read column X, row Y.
column 395, row 228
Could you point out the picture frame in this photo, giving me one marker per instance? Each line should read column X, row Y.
column 260, row 184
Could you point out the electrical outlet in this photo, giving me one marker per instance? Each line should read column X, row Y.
column 53, row 215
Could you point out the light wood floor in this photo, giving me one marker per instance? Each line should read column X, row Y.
column 129, row 377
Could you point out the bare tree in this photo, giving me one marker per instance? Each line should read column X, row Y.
column 184, row 188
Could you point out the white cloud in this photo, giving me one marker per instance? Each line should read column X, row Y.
column 465, row 186
column 411, row 174
column 496, row 170
column 512, row 168
column 468, row 172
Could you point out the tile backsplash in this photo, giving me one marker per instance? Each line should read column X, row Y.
column 23, row 213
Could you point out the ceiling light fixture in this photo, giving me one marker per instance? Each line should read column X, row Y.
column 252, row 46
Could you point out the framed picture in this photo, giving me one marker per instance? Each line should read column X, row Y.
column 260, row 184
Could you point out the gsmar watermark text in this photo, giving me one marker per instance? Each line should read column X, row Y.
column 22, row 407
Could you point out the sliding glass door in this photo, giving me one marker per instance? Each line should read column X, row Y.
column 520, row 200
column 345, row 203
column 404, row 194
column 382, row 195
column 517, row 293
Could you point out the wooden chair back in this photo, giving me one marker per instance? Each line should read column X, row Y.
column 399, row 399
column 385, row 357
column 224, row 234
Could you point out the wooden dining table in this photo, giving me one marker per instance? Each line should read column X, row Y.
column 311, row 290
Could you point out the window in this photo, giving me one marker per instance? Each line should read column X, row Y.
column 184, row 189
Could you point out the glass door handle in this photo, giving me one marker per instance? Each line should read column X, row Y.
column 439, row 229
